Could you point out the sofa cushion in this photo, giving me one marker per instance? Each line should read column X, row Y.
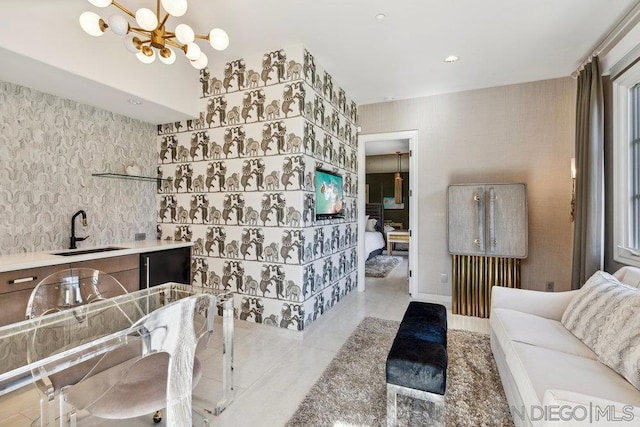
column 619, row 343
column 605, row 412
column 629, row 276
column 536, row 369
column 597, row 300
column 510, row 325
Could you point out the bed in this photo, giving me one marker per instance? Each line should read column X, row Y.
column 374, row 241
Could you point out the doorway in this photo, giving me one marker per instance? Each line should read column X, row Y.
column 391, row 141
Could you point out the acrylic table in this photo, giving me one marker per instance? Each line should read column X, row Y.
column 29, row 352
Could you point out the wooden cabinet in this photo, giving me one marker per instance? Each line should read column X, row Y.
column 16, row 286
column 15, row 290
column 126, row 269
column 169, row 265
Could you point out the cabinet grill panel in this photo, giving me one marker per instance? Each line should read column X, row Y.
column 473, row 277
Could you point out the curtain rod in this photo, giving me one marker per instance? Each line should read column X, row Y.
column 621, row 29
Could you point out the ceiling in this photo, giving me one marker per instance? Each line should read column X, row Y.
column 499, row 42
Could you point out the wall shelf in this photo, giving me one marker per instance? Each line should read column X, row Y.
column 129, row 177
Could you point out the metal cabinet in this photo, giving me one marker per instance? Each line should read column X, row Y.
column 488, row 220
column 170, row 265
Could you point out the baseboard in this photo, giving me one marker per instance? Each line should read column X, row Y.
column 440, row 299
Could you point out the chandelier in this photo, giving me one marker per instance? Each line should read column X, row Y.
column 149, row 37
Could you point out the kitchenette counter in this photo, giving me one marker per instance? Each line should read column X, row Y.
column 43, row 259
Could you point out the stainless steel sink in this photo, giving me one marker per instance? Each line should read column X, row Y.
column 88, row 251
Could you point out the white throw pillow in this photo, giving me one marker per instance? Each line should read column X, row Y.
column 587, row 313
column 388, row 228
column 605, row 316
column 619, row 344
column 371, row 224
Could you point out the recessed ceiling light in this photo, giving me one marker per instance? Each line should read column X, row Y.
column 451, row 58
column 381, row 16
column 134, row 101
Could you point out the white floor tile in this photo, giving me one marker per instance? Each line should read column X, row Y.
column 17, row 420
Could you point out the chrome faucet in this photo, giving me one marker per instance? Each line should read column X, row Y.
column 75, row 239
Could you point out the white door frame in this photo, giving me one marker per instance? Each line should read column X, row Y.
column 412, row 136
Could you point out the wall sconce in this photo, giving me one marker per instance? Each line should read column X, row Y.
column 573, row 189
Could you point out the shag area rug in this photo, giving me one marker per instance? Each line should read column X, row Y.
column 352, row 390
column 381, row 265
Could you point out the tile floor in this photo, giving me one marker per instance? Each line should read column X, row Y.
column 274, row 369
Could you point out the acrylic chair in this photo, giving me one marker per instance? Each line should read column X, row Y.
column 165, row 373
column 64, row 290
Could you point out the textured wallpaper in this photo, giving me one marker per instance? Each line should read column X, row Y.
column 518, row 133
column 49, row 147
column 239, row 183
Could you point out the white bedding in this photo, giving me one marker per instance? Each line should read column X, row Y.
column 373, row 240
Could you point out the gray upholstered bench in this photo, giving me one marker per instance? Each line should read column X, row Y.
column 417, row 361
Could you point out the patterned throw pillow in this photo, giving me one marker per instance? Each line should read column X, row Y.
column 589, row 311
column 618, row 346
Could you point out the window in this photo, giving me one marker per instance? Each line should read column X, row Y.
column 626, row 167
column 634, row 168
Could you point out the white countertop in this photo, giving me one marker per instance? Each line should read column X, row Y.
column 42, row 259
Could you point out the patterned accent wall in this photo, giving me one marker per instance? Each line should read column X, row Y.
column 49, row 147
column 238, row 181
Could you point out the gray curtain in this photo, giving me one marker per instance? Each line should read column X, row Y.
column 588, row 237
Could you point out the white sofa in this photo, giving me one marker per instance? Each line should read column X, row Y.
column 550, row 377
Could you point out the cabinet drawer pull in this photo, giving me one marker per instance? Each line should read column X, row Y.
column 23, row 280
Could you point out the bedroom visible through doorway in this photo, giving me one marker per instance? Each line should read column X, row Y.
column 384, row 174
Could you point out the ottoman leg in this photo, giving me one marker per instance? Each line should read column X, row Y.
column 439, row 413
column 392, row 404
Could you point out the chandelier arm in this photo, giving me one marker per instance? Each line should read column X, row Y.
column 124, row 9
column 140, row 31
column 175, row 44
column 164, row 20
column 198, row 36
column 158, row 10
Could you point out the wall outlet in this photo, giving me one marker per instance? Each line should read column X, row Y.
column 444, row 278
column 550, row 286
column 140, row 236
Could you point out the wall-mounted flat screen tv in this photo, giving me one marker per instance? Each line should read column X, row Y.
column 329, row 195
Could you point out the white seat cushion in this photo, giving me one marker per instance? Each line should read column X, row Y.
column 537, row 369
column 130, row 389
column 510, row 325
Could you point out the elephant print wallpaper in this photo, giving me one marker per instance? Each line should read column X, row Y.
column 238, row 182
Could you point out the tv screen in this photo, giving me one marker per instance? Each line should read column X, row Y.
column 329, row 195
